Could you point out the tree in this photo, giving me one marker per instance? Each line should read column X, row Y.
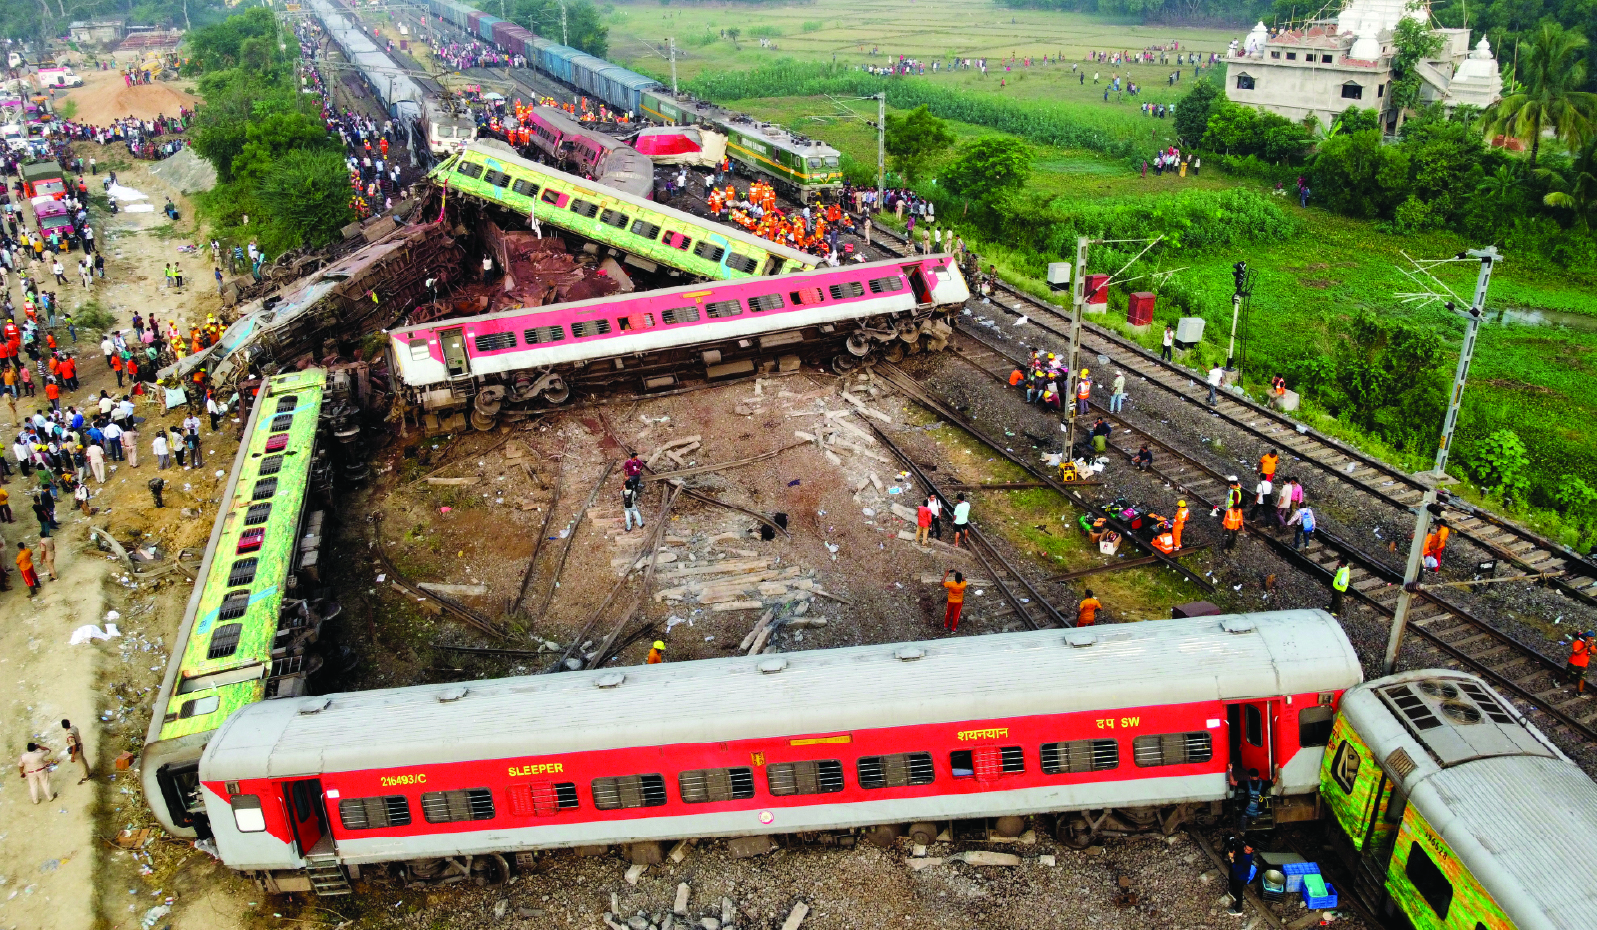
column 583, row 28
column 1414, row 42
column 914, row 139
column 1578, row 500
column 1501, row 462
column 1389, row 377
column 1553, row 73
column 267, row 139
column 1357, row 175
column 989, row 168
column 1355, row 119
column 1194, row 110
column 306, row 198
column 1576, row 189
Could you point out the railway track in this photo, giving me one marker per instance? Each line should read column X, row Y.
column 1514, row 667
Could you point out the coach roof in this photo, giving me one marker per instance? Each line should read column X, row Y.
column 831, row 690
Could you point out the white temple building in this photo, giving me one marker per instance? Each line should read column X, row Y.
column 1333, row 64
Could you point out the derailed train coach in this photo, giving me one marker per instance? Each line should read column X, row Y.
column 536, row 356
column 474, row 778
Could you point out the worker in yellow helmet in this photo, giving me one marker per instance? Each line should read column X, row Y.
column 1178, row 523
column 1083, row 393
column 657, row 654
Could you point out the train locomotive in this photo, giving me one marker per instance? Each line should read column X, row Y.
column 534, row 355
column 1142, row 724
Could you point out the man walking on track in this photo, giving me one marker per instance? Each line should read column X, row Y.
column 1580, row 659
column 1339, row 586
column 956, row 599
column 76, row 751
column 961, row 519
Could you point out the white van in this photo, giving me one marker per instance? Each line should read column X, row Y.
column 16, row 138
column 59, row 77
column 14, row 60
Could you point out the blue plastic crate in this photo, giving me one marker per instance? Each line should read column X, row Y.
column 1295, row 871
column 1322, row 902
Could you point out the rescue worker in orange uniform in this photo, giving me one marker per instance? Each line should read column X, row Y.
column 1083, row 393
column 656, row 654
column 1268, row 463
column 1233, row 526
column 1580, row 659
column 1178, row 524
column 1087, row 610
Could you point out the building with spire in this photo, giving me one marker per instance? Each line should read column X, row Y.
column 1329, row 65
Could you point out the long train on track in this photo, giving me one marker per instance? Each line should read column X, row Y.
column 249, row 625
column 650, row 340
column 647, row 234
column 795, row 164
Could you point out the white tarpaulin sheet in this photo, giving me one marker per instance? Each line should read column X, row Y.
column 125, row 194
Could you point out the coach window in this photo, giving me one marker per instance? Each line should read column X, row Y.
column 614, row 218
column 542, row 798
column 1314, row 725
column 679, row 315
column 1172, row 749
column 583, row 328
column 765, row 302
column 374, row 813
column 493, row 342
column 524, row 188
column 1078, row 756
column 818, row 776
column 628, row 791
column 450, row 806
column 418, row 350
column 247, row 813
column 721, row 309
column 804, row 297
column 742, row 263
column 1429, row 881
column 1345, row 767
column 645, row 230
column 470, row 169
column 635, row 321
column 552, row 197
column 678, row 241
column 900, row 770
column 704, row 785
column 1254, row 724
column 847, row 289
column 987, row 762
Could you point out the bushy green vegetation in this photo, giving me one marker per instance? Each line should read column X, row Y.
column 42, row 21
column 282, row 181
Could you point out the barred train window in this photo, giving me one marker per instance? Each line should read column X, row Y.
column 257, row 514
column 374, row 813
column 614, row 218
column 589, row 328
column 709, row 251
column 1172, row 749
column 766, row 302
column 628, row 791
column 1082, row 755
column 282, row 422
column 645, row 230
column 451, row 806
column 287, row 402
column 242, row 572
column 490, row 342
column 583, row 208
column 987, row 762
column 224, row 640
column 888, row 284
column 470, row 169
column 542, row 798
column 847, row 289
column 721, row 309
column 742, row 263
column 234, row 605
column 704, row 785
column 899, row 770
column 679, row 315
column 541, row 334
column 524, row 188
column 820, row 776
column 496, row 178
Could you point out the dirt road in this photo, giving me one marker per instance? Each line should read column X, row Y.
column 51, row 856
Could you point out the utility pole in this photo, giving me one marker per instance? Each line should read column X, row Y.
column 671, row 46
column 1239, row 271
column 1078, row 303
column 564, row 39
column 1432, row 480
column 881, row 147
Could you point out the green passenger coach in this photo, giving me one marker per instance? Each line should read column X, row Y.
column 646, row 233
column 247, row 625
column 1454, row 813
column 796, row 164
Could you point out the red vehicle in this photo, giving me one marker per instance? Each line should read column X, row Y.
column 1150, row 721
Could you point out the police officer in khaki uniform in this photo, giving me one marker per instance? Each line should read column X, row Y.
column 34, row 765
column 76, row 751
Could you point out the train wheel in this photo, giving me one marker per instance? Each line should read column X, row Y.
column 858, row 345
column 557, row 393
column 482, row 422
column 894, row 352
column 911, row 348
column 923, row 834
column 843, row 363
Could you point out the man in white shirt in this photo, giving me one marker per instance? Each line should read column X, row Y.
column 109, row 348
column 113, row 441
column 1216, row 375
column 961, row 519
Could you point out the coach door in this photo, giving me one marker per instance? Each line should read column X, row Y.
column 1250, row 724
column 453, row 342
column 917, row 282
column 307, row 814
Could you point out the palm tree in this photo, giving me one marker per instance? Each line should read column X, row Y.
column 1502, row 185
column 1576, row 190
column 1550, row 98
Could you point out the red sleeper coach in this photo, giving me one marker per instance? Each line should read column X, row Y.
column 1148, row 718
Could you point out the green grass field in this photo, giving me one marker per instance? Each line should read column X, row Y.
column 1537, row 380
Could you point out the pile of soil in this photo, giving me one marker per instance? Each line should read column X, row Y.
column 186, row 171
column 104, row 97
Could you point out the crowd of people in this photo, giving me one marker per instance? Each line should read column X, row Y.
column 374, row 178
